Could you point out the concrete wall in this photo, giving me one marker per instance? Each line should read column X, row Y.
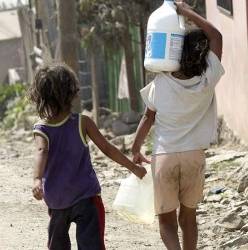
column 11, row 52
column 232, row 91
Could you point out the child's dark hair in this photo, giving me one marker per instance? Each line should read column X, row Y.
column 195, row 49
column 53, row 90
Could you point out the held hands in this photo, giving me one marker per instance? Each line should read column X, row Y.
column 139, row 158
column 37, row 189
column 139, row 171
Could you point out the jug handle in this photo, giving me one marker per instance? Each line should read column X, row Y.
column 181, row 21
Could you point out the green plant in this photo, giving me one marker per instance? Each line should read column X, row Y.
column 7, row 94
column 15, row 112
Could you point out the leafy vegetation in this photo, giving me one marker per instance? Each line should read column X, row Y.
column 7, row 94
column 15, row 111
column 107, row 24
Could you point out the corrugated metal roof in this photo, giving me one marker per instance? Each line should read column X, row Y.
column 9, row 25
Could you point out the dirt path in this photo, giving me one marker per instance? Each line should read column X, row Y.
column 23, row 221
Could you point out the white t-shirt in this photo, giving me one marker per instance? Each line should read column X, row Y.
column 186, row 111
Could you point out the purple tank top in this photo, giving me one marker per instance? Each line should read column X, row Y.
column 69, row 175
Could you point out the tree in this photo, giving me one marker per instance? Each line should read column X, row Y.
column 3, row 6
column 19, row 3
column 107, row 23
column 68, row 35
column 95, row 89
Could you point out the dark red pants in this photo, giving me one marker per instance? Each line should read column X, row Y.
column 89, row 216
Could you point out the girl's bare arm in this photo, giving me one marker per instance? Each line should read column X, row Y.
column 108, row 149
column 211, row 32
column 41, row 156
column 143, row 129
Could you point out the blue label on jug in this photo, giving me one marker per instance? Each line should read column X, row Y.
column 156, row 45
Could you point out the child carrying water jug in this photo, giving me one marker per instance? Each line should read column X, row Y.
column 182, row 107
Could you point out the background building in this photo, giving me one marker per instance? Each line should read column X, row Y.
column 11, row 45
column 231, row 18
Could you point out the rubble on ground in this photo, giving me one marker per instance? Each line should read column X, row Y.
column 222, row 216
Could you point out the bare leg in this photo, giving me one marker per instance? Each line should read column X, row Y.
column 169, row 230
column 187, row 222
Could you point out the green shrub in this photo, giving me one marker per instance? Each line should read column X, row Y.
column 8, row 93
column 15, row 113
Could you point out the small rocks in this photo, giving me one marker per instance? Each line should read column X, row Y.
column 122, row 124
column 232, row 195
column 245, row 228
column 228, row 156
column 217, row 190
column 107, row 123
column 21, row 135
column 225, row 202
column 121, row 128
column 201, row 222
column 244, row 168
column 244, row 247
column 119, row 142
column 239, row 241
column 243, row 183
column 214, row 198
column 231, row 222
column 246, row 193
column 241, row 203
column 207, row 175
column 212, row 179
column 105, row 111
column 130, row 117
column 129, row 140
column 236, row 209
column 244, row 214
column 201, row 211
column 14, row 155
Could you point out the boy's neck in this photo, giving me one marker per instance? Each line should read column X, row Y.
column 180, row 75
column 60, row 117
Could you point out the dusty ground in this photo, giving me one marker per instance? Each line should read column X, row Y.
column 23, row 220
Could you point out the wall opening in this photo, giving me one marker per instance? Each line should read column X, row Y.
column 225, row 6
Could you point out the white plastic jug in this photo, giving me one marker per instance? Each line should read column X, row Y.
column 165, row 37
column 135, row 199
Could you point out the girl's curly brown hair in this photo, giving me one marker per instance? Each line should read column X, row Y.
column 195, row 50
column 53, row 90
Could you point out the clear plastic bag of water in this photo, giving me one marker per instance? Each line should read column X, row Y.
column 135, row 199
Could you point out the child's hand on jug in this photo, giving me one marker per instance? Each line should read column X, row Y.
column 181, row 7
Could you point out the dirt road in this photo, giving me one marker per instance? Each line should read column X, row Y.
column 23, row 220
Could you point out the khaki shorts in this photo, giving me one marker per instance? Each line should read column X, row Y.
column 178, row 179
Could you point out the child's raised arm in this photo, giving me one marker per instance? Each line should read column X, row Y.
column 214, row 36
column 108, row 149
